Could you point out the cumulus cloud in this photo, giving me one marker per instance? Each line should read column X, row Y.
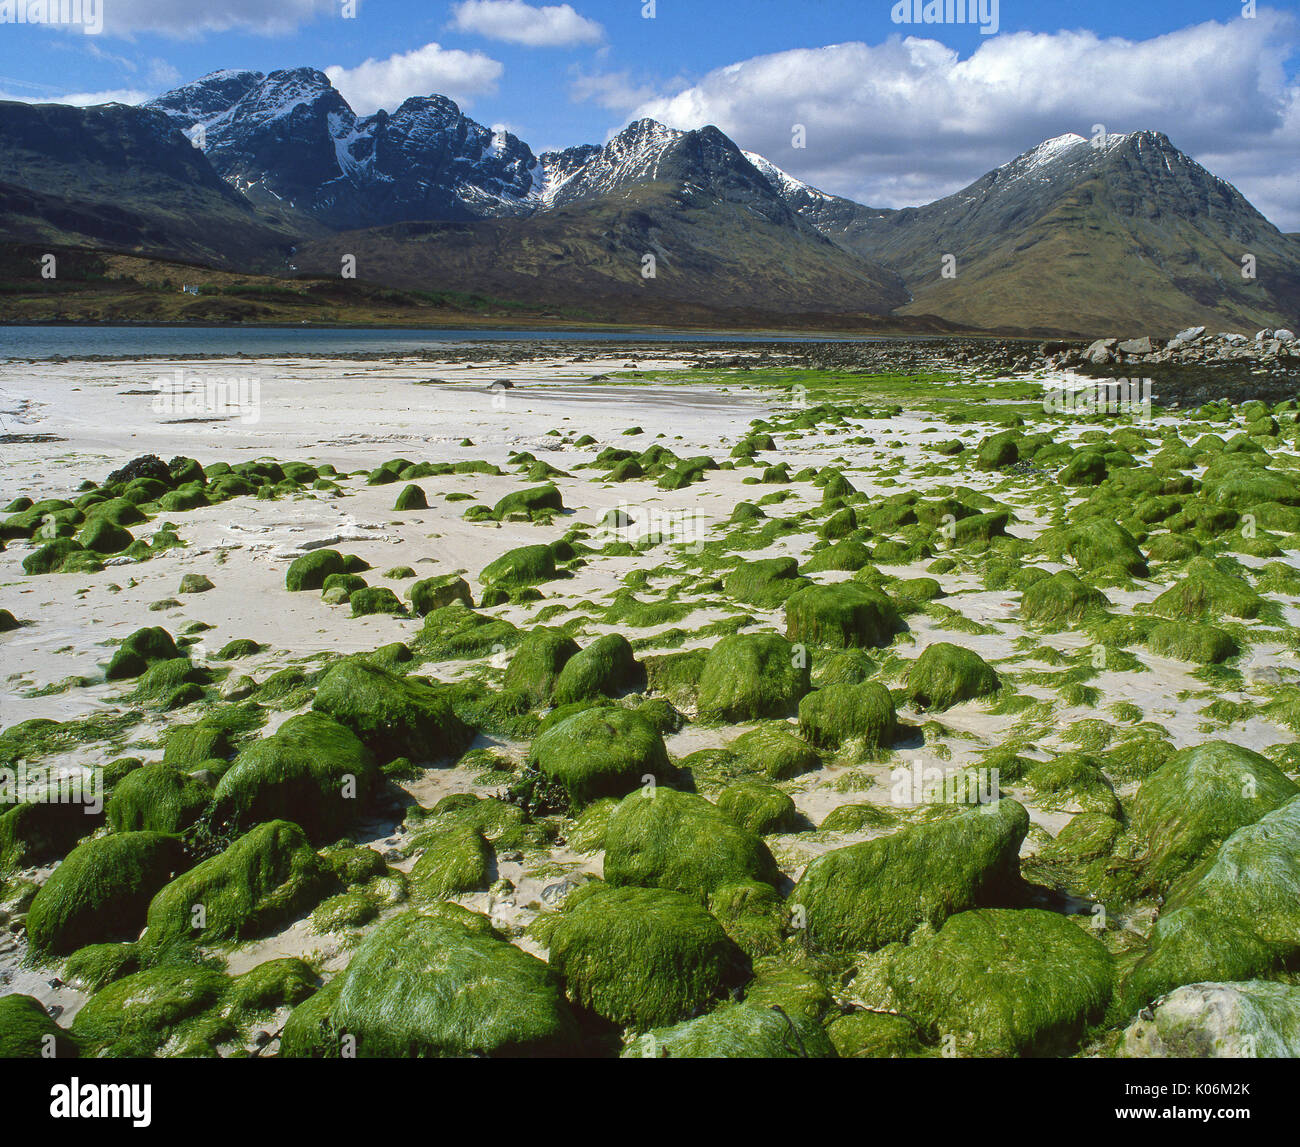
column 84, row 99
column 553, row 26
column 125, row 17
column 908, row 121
column 424, row 71
column 616, row 91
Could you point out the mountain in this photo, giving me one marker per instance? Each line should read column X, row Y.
column 289, row 139
column 722, row 238
column 123, row 178
column 284, row 177
column 1071, row 237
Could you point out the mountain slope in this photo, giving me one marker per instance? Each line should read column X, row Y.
column 1068, row 237
column 125, row 178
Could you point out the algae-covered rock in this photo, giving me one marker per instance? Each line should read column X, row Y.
column 375, row 599
column 1235, row 917
column 101, row 891
column 157, row 798
column 311, row 569
column 646, row 957
column 311, row 768
column 837, row 714
column 524, row 566
column 759, row 808
column 600, row 752
column 531, row 502
column 733, row 1031
column 411, row 498
column 766, row 582
column 143, row 648
column 455, row 862
column 945, row 675
column 1003, row 982
column 433, row 593
column 774, row 752
column 881, row 890
column 537, row 663
column 394, row 716
column 751, row 675
column 28, row 1032
column 1188, row 641
column 661, row 838
column 266, row 878
column 1196, row 800
column 424, row 985
column 1255, row 1019
column 844, row 614
column 139, row 1014
column 1206, row 592
column 1060, row 599
column 603, row 669
column 874, row 1035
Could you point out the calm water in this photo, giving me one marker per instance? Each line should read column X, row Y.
column 79, row 342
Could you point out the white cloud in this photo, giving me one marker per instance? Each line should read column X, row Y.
column 616, row 91
column 907, row 121
column 553, row 26
column 84, row 99
column 188, row 21
column 430, row 70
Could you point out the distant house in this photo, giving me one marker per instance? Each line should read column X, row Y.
column 188, row 290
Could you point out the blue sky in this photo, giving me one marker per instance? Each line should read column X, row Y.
column 893, row 113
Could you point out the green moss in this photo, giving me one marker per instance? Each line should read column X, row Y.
column 456, row 631
column 749, row 676
column 848, row 667
column 880, row 891
column 837, row 714
column 1207, row 592
column 434, row 592
column 240, row 647
column 455, row 862
column 600, row 752
column 143, row 1013
column 645, row 957
column 101, row 891
column 311, row 768
column 429, row 985
column 28, row 1032
column 1002, row 982
column 311, row 569
column 1202, row 644
column 733, row 1031
column 1060, row 599
column 266, row 878
column 661, row 838
column 394, row 716
column 945, row 675
column 90, row 968
column 604, row 668
column 844, row 614
column 1191, row 804
column 857, row 817
column 758, row 808
column 874, row 1035
column 157, row 798
column 536, row 665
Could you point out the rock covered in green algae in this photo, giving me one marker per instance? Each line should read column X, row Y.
column 537, row 663
column 524, row 566
column 377, row 599
column 1235, row 917
column 1187, row 641
column 533, row 501
column 733, row 1031
column 1002, row 982
column 411, row 498
column 766, row 582
column 661, row 838
column 432, row 593
column 268, row 876
column 311, row 569
column 601, row 752
column 1247, row 1020
column 311, row 768
column 843, row 614
column 1196, row 800
column 760, row 808
column 143, row 648
column 880, row 891
column 875, row 1035
column 28, row 1032
column 156, row 799
column 603, row 669
column 1060, row 599
column 837, row 714
column 102, row 891
column 645, row 957
column 455, row 862
column 394, row 716
column 748, row 676
column 946, row 674
column 430, row 985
